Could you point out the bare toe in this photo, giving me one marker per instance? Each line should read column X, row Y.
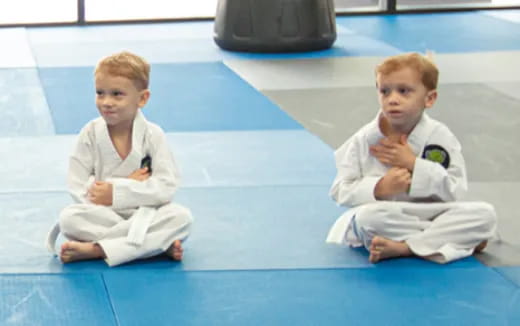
column 175, row 251
column 374, row 256
column 177, row 256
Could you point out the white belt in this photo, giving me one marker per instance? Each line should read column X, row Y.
column 50, row 243
column 140, row 222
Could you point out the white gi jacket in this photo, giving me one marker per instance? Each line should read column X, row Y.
column 95, row 159
column 359, row 172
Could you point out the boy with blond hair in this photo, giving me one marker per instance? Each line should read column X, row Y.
column 403, row 173
column 122, row 176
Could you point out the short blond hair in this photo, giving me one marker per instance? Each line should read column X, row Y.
column 420, row 63
column 128, row 65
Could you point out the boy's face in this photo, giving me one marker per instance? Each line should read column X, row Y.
column 118, row 99
column 403, row 97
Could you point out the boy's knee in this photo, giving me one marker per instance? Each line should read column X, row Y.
column 373, row 217
column 178, row 215
column 184, row 214
column 487, row 215
column 70, row 221
column 68, row 224
column 480, row 215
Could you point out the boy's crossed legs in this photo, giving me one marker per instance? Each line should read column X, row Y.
column 97, row 232
column 441, row 232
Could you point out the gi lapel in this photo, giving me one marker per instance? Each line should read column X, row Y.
column 110, row 163
column 420, row 134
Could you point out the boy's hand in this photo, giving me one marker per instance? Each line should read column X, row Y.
column 100, row 193
column 396, row 181
column 395, row 154
column 140, row 174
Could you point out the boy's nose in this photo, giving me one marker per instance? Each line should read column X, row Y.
column 393, row 98
column 106, row 101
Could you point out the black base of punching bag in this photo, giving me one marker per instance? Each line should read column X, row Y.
column 275, row 25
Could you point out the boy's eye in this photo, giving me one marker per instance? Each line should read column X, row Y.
column 384, row 91
column 117, row 93
column 99, row 93
column 404, row 91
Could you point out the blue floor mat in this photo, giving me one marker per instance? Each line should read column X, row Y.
column 58, row 300
column 235, row 228
column 169, row 43
column 75, row 54
column 269, row 228
column 28, row 157
column 196, row 50
column 243, row 158
column 158, row 43
column 26, row 219
column 185, row 97
column 164, row 31
column 452, row 32
column 255, row 225
column 315, row 297
column 23, row 107
column 252, row 158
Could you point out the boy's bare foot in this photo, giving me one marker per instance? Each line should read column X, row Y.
column 76, row 250
column 175, row 250
column 382, row 248
column 481, row 246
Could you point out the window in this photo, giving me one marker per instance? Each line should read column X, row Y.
column 37, row 11
column 107, row 10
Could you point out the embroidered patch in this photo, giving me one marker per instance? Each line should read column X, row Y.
column 436, row 153
column 146, row 162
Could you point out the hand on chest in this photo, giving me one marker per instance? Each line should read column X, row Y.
column 386, row 152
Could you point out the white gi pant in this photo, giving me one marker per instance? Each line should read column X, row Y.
column 441, row 232
column 101, row 225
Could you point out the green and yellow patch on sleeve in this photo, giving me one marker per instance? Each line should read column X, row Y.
column 438, row 154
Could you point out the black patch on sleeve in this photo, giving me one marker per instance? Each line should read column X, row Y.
column 438, row 154
column 146, row 162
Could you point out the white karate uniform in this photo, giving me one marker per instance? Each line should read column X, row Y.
column 428, row 217
column 142, row 222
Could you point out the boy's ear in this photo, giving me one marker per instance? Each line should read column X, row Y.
column 431, row 97
column 145, row 95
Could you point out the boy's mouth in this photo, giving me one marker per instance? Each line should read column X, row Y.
column 395, row 113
